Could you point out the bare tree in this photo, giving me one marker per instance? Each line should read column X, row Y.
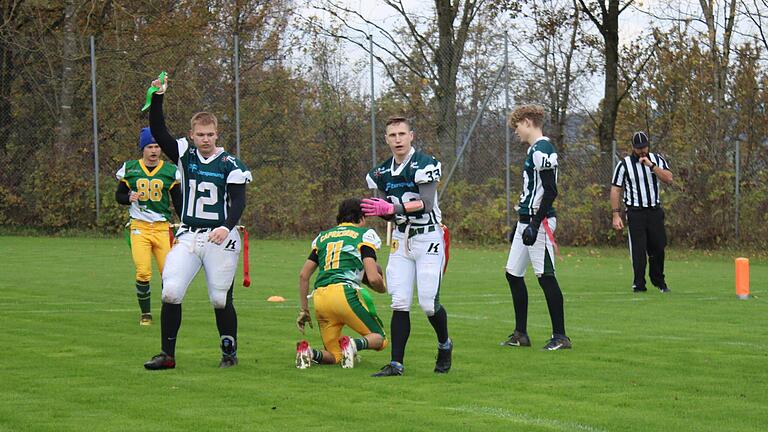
column 719, row 56
column 63, row 144
column 757, row 12
column 431, row 49
column 608, row 26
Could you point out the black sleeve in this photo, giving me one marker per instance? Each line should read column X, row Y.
column 159, row 131
column 550, row 192
column 123, row 194
column 236, row 193
column 313, row 257
column 176, row 199
column 367, row 252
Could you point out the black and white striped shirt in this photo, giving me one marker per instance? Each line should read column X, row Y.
column 641, row 186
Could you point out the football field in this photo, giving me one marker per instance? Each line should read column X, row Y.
column 695, row 359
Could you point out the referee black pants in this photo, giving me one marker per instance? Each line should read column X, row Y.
column 647, row 236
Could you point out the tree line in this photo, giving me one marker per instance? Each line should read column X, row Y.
column 694, row 79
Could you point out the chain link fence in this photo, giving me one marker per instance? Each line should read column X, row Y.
column 309, row 131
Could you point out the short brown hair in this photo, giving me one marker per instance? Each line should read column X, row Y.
column 398, row 119
column 203, row 118
column 532, row 112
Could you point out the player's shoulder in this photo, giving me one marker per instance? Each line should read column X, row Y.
column 370, row 237
column 380, row 170
column 423, row 159
column 544, row 145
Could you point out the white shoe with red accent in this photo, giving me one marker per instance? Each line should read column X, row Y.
column 348, row 352
column 303, row 355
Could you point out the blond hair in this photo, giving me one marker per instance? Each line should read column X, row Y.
column 203, row 118
column 532, row 112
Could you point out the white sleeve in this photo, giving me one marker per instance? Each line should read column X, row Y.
column 370, row 238
column 183, row 147
column 428, row 174
column 239, row 176
column 178, row 175
column 314, row 243
column 544, row 161
column 371, row 184
column 120, row 174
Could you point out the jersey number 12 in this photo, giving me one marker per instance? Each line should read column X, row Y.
column 196, row 203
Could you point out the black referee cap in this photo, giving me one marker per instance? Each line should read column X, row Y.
column 639, row 140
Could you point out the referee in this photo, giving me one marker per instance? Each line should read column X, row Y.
column 639, row 175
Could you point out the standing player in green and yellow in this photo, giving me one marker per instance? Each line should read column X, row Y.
column 148, row 185
column 345, row 255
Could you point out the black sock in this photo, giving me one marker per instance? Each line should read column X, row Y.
column 170, row 322
column 400, row 328
column 439, row 322
column 143, row 294
column 226, row 318
column 554, row 302
column 520, row 301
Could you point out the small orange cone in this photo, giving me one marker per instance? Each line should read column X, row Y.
column 276, row 299
column 742, row 278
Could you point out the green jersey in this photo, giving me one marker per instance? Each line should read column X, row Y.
column 541, row 156
column 153, row 186
column 204, row 184
column 338, row 254
column 401, row 184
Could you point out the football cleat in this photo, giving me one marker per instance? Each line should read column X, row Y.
column 160, row 362
column 664, row 289
column 392, row 369
column 517, row 339
column 146, row 319
column 348, row 352
column 638, row 289
column 303, row 355
column 558, row 342
column 443, row 363
column 228, row 360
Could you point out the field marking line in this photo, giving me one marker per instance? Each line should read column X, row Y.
column 525, row 418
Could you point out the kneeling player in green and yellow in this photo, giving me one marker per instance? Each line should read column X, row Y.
column 148, row 185
column 343, row 254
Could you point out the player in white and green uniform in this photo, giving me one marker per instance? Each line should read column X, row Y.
column 213, row 187
column 343, row 254
column 148, row 185
column 408, row 180
column 530, row 244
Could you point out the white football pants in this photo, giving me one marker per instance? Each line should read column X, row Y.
column 418, row 259
column 193, row 250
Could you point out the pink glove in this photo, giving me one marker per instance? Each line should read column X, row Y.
column 377, row 207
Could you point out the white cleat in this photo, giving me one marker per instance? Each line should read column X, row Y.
column 348, row 352
column 303, row 355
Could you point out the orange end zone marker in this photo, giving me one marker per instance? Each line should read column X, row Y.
column 742, row 278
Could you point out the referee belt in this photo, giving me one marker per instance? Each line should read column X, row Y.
column 418, row 230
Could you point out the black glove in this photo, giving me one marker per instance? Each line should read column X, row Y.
column 511, row 236
column 531, row 232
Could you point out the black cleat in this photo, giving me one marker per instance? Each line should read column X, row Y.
column 664, row 289
column 392, row 369
column 517, row 339
column 228, row 360
column 639, row 289
column 160, row 362
column 228, row 352
column 443, row 363
column 558, row 342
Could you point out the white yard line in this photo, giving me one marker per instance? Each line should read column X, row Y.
column 525, row 419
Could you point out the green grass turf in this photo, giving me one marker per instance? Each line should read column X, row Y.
column 692, row 360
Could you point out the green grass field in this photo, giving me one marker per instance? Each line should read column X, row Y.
column 692, row 360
